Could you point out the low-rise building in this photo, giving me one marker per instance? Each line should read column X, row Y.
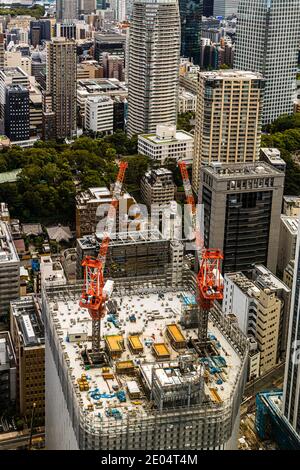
column 273, row 157
column 27, row 333
column 157, row 187
column 291, row 206
column 167, row 144
column 186, row 101
column 89, row 69
column 9, row 271
column 92, row 207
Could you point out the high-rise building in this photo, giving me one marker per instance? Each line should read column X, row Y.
column 191, row 20
column 99, row 114
column 17, row 118
column 87, row 6
column 291, row 390
column 208, row 7
column 154, row 52
column 7, row 371
column 225, row 8
column 27, row 333
column 242, row 207
column 268, row 37
column 10, row 76
column 61, row 84
column 66, row 9
column 228, row 118
column 39, row 31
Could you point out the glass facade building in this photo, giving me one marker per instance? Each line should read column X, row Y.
column 191, row 20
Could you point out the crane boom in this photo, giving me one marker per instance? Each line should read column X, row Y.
column 93, row 297
column 209, row 278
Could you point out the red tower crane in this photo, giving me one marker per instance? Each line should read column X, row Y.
column 209, row 279
column 93, row 295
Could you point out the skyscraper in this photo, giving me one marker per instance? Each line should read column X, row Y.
column 16, row 118
column 154, row 52
column 228, row 118
column 191, row 20
column 61, row 84
column 291, row 391
column 268, row 37
column 66, row 9
column 225, row 8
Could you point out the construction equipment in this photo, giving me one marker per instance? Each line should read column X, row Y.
column 94, row 294
column 209, row 278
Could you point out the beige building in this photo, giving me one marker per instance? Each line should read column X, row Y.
column 157, row 187
column 291, row 206
column 92, row 207
column 287, row 242
column 61, row 84
column 89, row 69
column 16, row 59
column 258, row 311
column 27, row 333
column 228, row 118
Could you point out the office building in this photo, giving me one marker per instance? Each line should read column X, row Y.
column 16, row 117
column 186, row 101
column 291, row 390
column 40, row 30
column 113, row 66
column 120, row 113
column 87, row 7
column 113, row 43
column 99, row 114
column 10, row 76
column 154, row 50
column 225, row 8
column 191, row 20
column 92, row 206
column 228, row 119
column 61, row 84
column 208, row 7
column 27, row 332
column 167, row 144
column 186, row 414
column 258, row 311
column 66, row 9
column 89, row 69
column 242, row 207
column 268, row 37
column 8, row 371
column 9, row 271
column 287, row 241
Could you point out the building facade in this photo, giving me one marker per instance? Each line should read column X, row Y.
column 99, row 114
column 228, row 118
column 8, row 371
column 242, row 207
column 61, row 84
column 191, row 20
column 17, row 117
column 225, row 8
column 154, row 50
column 268, row 37
column 157, row 187
column 66, row 9
column 167, row 144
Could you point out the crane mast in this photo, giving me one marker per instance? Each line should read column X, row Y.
column 209, row 278
column 93, row 295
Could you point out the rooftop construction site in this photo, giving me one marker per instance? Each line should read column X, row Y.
column 150, row 361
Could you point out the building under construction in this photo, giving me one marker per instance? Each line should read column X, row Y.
column 135, row 254
column 158, row 386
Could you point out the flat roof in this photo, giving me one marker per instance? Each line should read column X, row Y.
column 240, row 170
column 291, row 223
column 152, row 316
column 181, row 136
column 8, row 251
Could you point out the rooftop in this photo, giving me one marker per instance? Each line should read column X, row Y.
column 291, row 223
column 144, row 341
column 8, row 250
column 156, row 140
column 242, row 170
column 231, row 75
column 268, row 279
column 28, row 318
column 123, row 238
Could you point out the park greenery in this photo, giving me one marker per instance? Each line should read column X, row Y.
column 37, row 11
column 284, row 134
column 185, row 121
column 53, row 173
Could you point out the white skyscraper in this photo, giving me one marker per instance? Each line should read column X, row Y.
column 268, row 36
column 225, row 7
column 154, row 51
column 291, row 391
